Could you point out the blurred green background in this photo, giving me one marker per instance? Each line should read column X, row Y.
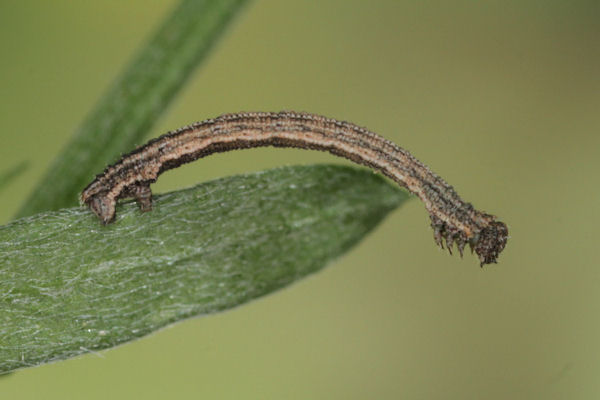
column 501, row 98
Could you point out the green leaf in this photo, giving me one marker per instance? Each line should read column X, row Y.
column 69, row 285
column 136, row 100
column 11, row 174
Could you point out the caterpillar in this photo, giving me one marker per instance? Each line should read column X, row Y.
column 452, row 219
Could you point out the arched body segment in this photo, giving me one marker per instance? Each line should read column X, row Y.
column 452, row 219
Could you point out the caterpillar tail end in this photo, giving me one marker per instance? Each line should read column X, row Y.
column 103, row 207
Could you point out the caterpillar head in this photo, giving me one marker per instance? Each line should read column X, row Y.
column 490, row 242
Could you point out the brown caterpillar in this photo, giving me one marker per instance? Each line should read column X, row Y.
column 452, row 219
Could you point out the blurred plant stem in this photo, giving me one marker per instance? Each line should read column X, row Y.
column 6, row 177
column 135, row 101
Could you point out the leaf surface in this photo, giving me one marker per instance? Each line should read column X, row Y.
column 69, row 285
